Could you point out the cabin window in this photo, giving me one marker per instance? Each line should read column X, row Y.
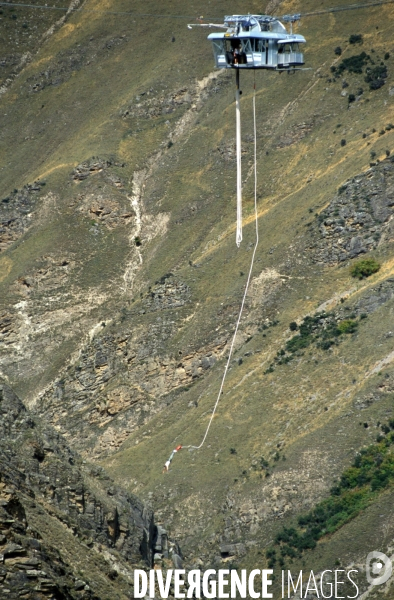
column 258, row 45
column 247, row 46
column 217, row 47
column 287, row 48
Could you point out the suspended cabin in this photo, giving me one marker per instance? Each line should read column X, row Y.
column 257, row 42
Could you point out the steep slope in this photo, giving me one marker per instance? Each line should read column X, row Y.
column 121, row 282
column 67, row 531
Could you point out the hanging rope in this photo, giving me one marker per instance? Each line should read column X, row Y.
column 238, row 236
column 247, row 282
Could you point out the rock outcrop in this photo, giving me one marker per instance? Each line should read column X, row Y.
column 358, row 219
column 62, row 519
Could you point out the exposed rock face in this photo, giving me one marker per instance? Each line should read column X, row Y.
column 89, row 167
column 16, row 209
column 167, row 293
column 377, row 296
column 150, row 105
column 122, row 380
column 43, row 482
column 359, row 218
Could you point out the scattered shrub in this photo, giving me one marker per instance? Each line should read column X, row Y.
column 293, row 326
column 137, row 241
column 364, row 268
column 298, row 343
column 387, row 56
column 326, row 345
column 343, row 142
column 351, row 98
column 376, row 76
column 338, row 51
column 356, row 39
column 353, row 64
column 372, row 470
column 347, row 326
column 264, row 463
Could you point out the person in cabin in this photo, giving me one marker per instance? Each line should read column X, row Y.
column 236, row 53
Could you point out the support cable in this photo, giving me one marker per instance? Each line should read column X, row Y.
column 322, row 11
column 247, row 282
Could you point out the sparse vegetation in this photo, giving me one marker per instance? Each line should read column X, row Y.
column 356, row 39
column 353, row 64
column 348, row 326
column 364, row 268
column 372, row 470
column 376, row 76
column 322, row 329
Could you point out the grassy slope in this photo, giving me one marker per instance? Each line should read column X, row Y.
column 80, row 118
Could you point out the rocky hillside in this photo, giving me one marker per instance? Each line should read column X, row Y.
column 120, row 286
column 66, row 530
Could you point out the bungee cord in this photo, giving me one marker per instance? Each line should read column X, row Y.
column 238, row 236
column 246, row 286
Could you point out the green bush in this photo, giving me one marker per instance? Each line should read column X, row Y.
column 364, row 268
column 353, row 64
column 376, row 76
column 298, row 342
column 347, row 326
column 356, row 39
column 372, row 471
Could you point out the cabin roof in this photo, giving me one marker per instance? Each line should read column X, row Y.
column 265, row 35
